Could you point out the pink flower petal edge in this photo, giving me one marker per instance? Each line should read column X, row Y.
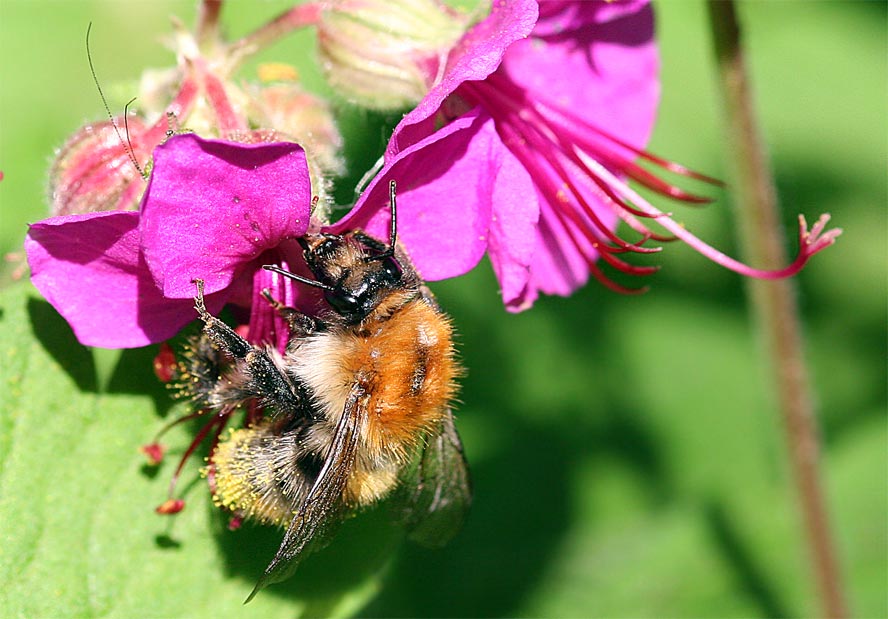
column 90, row 269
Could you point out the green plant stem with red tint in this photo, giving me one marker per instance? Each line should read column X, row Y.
column 207, row 27
column 774, row 302
column 299, row 16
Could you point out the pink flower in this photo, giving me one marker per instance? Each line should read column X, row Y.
column 213, row 210
column 545, row 109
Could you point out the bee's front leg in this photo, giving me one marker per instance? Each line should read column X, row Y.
column 221, row 334
column 265, row 381
column 301, row 325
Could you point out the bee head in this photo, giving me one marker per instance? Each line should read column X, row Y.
column 355, row 271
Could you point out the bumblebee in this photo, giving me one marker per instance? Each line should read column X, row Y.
column 356, row 409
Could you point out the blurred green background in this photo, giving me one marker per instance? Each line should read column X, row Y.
column 626, row 452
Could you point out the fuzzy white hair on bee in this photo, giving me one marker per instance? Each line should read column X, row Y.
column 358, row 409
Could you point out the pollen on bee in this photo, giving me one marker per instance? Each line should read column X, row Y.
column 244, row 482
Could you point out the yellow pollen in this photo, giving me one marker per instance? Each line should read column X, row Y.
column 277, row 72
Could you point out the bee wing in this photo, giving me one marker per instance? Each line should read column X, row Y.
column 436, row 505
column 323, row 500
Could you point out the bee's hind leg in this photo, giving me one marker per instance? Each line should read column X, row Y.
column 265, row 381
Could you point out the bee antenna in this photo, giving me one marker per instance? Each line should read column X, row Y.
column 276, row 269
column 172, row 120
column 393, row 231
column 126, row 131
column 126, row 144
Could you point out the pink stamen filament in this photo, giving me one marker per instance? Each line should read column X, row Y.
column 622, row 208
column 523, row 122
column 557, row 134
column 580, row 200
column 219, row 420
column 529, row 117
column 809, row 242
column 569, row 139
column 517, row 132
column 174, row 423
column 548, row 213
column 521, row 131
column 544, row 138
column 566, row 119
column 544, row 181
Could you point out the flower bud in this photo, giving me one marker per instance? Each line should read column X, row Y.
column 386, row 54
column 94, row 171
column 300, row 117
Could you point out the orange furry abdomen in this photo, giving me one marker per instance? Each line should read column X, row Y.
column 407, row 366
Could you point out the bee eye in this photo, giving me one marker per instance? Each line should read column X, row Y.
column 342, row 303
column 391, row 269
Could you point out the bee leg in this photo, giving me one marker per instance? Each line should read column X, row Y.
column 369, row 241
column 265, row 381
column 221, row 334
column 301, row 325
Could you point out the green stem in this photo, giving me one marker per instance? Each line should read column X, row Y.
column 774, row 302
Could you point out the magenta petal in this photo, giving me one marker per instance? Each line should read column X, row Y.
column 559, row 266
column 213, row 206
column 476, row 55
column 445, row 197
column 599, row 60
column 516, row 213
column 89, row 268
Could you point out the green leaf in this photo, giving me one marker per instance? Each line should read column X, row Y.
column 78, row 532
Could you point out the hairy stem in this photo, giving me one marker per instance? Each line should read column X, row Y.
column 299, row 16
column 208, row 21
column 774, row 302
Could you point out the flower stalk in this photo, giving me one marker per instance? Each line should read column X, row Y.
column 295, row 18
column 207, row 28
column 774, row 302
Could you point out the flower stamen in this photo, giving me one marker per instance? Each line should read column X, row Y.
column 810, row 243
column 560, row 150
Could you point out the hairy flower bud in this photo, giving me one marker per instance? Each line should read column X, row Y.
column 385, row 54
column 104, row 165
column 303, row 118
column 93, row 171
